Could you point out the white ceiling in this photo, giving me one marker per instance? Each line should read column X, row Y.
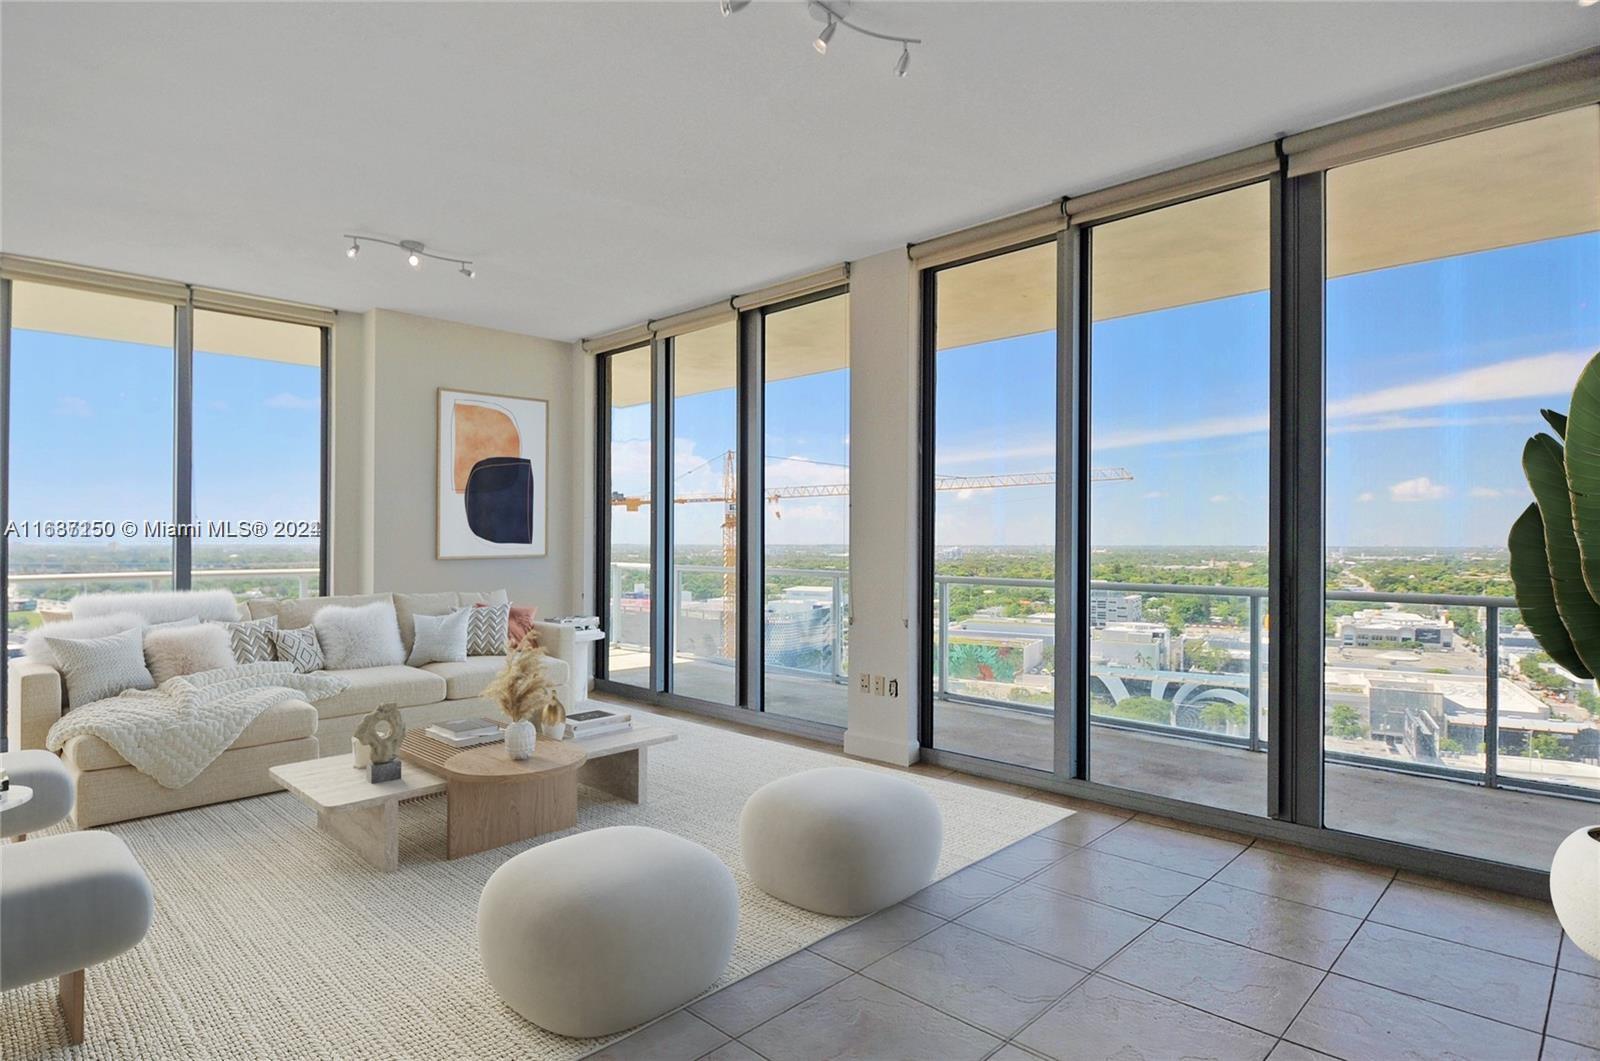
column 605, row 162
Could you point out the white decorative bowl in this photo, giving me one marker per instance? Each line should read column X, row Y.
column 1575, row 888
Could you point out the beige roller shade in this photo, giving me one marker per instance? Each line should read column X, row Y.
column 1212, row 175
column 809, row 339
column 630, row 377
column 706, row 359
column 695, row 319
column 618, row 340
column 990, row 236
column 1529, row 93
column 796, row 288
column 266, row 308
column 35, row 270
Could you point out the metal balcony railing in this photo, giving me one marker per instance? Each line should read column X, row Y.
column 1248, row 684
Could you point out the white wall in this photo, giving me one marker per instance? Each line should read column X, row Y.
column 883, row 500
column 388, row 368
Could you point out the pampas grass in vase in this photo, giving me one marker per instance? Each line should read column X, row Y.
column 526, row 694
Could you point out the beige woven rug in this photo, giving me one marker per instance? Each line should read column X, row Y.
column 271, row 940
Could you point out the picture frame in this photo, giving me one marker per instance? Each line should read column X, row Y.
column 491, row 480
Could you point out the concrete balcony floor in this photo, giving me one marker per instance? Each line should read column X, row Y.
column 1496, row 824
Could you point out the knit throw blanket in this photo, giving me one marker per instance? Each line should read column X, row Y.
column 176, row 730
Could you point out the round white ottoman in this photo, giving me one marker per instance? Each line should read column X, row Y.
column 598, row 932
column 840, row 840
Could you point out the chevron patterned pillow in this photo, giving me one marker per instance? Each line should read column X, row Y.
column 252, row 640
column 299, row 647
column 486, row 629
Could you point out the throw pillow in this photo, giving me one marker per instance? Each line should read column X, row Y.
column 486, row 630
column 97, row 667
column 520, row 624
column 170, row 651
column 252, row 639
column 364, row 636
column 36, row 648
column 300, row 647
column 439, row 638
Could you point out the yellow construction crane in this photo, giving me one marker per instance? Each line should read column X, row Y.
column 729, row 500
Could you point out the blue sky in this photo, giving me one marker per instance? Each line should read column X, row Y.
column 1436, row 373
column 91, row 433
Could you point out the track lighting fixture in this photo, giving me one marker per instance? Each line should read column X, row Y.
column 730, row 7
column 836, row 13
column 415, row 250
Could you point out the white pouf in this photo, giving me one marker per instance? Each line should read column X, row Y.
column 1575, row 888
column 840, row 841
column 595, row 933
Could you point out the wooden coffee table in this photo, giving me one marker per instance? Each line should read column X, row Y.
column 493, row 799
column 497, row 800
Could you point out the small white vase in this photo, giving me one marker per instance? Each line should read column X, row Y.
column 554, row 730
column 360, row 754
column 519, row 740
column 1575, row 888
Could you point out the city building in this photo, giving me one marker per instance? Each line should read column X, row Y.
column 1106, row 606
column 1381, row 628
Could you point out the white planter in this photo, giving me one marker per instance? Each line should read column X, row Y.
column 360, row 754
column 556, row 731
column 1575, row 888
column 519, row 740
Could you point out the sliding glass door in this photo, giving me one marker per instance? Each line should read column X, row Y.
column 1180, row 360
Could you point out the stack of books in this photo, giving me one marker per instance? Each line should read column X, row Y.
column 466, row 732
column 593, row 721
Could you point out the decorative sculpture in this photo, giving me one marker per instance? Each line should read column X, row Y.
column 382, row 732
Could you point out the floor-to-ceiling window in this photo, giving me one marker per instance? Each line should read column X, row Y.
column 90, row 431
column 257, row 381
column 806, row 509
column 702, row 578
column 138, row 460
column 1462, row 296
column 626, row 501
column 1180, row 356
column 993, row 621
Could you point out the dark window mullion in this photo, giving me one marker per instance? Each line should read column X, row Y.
column 750, row 652
column 183, row 445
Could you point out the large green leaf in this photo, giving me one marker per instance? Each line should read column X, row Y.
column 1583, row 471
column 1530, row 573
column 1542, row 463
column 1557, row 421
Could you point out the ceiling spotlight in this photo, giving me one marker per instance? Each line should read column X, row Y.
column 415, row 251
column 904, row 64
column 731, row 6
column 821, row 43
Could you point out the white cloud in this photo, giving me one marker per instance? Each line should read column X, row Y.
column 1366, row 496
column 1421, row 488
column 1218, row 499
column 73, row 405
column 285, row 400
column 1486, row 492
column 1153, row 495
column 1522, row 377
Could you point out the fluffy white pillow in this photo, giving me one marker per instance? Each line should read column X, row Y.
column 439, row 638
column 173, row 650
column 37, row 647
column 94, row 668
column 213, row 604
column 364, row 636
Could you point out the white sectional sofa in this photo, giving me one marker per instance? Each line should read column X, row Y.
column 111, row 790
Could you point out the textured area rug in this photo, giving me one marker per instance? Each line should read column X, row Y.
column 272, row 940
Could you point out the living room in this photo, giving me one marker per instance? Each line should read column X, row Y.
column 800, row 529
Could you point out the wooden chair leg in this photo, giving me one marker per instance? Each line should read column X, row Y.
column 71, row 990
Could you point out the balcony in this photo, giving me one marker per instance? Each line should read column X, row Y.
column 1432, row 751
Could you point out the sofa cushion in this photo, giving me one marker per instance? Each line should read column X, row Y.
column 290, row 720
column 364, row 636
column 294, row 613
column 371, row 687
column 467, row 679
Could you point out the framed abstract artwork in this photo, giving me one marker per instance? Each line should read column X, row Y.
column 494, row 456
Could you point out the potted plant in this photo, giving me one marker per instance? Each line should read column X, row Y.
column 1555, row 568
column 525, row 693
